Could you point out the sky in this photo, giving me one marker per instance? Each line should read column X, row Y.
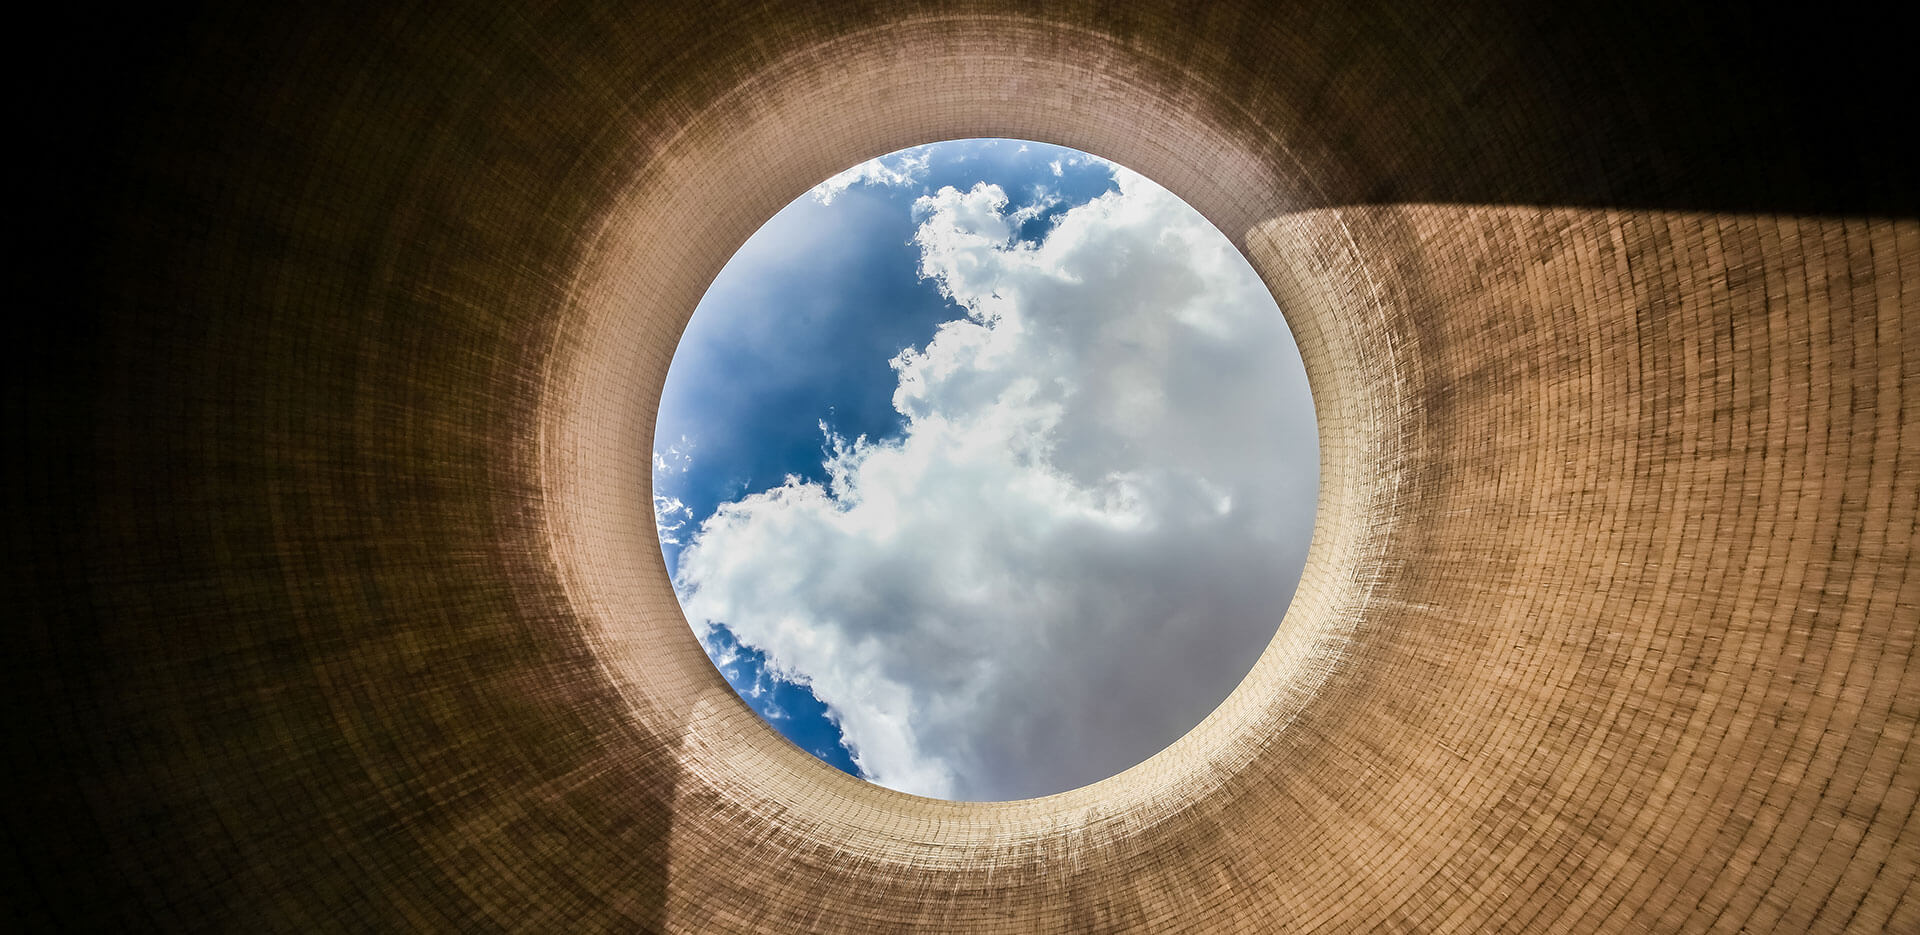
column 985, row 470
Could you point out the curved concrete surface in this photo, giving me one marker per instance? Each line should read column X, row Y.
column 332, row 545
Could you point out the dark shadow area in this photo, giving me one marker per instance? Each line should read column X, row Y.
column 1692, row 107
column 288, row 652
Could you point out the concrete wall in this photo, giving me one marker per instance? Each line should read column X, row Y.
column 336, row 600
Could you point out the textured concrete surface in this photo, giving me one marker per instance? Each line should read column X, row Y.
column 335, row 600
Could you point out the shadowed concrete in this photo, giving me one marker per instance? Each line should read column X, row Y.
column 337, row 603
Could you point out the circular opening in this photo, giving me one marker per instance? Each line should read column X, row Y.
column 985, row 469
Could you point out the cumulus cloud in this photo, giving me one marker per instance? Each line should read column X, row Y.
column 1085, row 534
column 905, row 168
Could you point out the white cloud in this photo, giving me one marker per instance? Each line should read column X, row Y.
column 1055, row 166
column 676, row 459
column 907, row 168
column 670, row 516
column 1044, row 199
column 1087, row 532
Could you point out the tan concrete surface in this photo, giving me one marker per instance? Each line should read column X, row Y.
column 342, row 609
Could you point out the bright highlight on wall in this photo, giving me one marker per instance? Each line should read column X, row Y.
column 986, row 469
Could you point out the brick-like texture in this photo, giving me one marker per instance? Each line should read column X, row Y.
column 336, row 600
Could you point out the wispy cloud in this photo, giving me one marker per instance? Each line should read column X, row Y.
column 1044, row 200
column 670, row 518
column 676, row 459
column 899, row 169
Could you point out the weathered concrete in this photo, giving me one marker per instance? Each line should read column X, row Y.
column 338, row 608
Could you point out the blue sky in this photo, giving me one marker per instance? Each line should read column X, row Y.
column 929, row 427
column 798, row 330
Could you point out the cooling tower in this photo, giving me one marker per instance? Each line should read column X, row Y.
column 334, row 565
